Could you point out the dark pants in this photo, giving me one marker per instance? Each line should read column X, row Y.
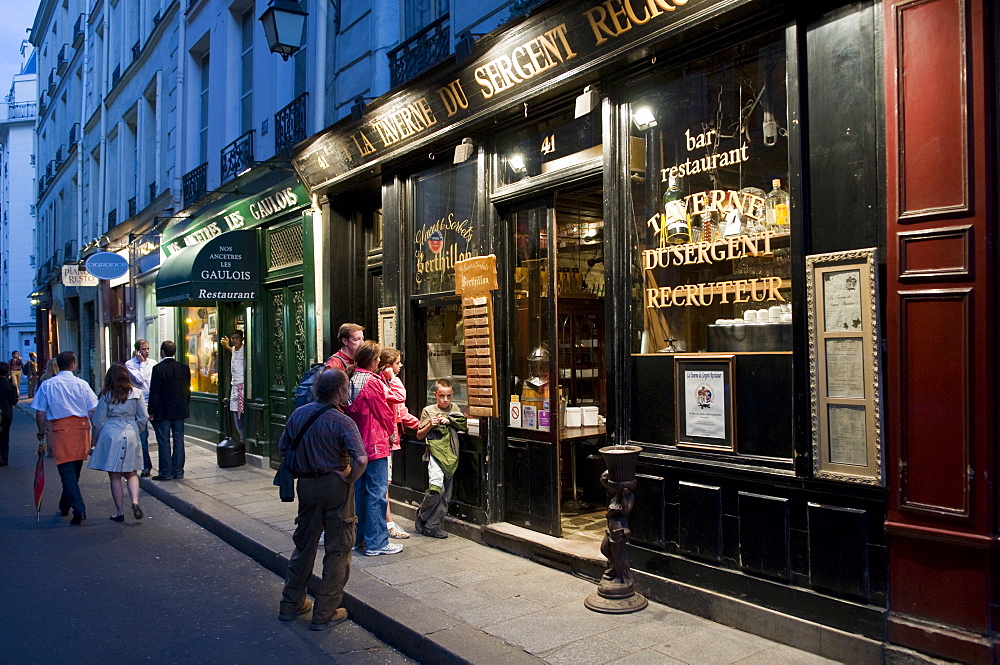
column 171, row 461
column 72, row 497
column 6, row 418
column 325, row 503
column 147, row 463
column 433, row 509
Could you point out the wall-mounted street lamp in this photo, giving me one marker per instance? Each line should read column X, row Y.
column 284, row 26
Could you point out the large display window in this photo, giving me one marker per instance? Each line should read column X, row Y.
column 712, row 229
column 201, row 348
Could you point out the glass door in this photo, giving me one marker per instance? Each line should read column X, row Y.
column 531, row 455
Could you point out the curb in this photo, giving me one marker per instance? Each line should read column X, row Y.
column 415, row 628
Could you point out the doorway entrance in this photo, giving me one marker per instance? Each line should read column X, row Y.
column 556, row 342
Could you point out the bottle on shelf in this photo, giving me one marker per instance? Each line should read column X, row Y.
column 776, row 208
column 677, row 230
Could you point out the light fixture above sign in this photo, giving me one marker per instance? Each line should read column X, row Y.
column 587, row 101
column 284, row 26
column 464, row 150
column 643, row 118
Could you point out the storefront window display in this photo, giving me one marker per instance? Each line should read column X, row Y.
column 446, row 352
column 446, row 228
column 201, row 348
column 711, row 220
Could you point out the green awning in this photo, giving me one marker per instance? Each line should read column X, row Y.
column 223, row 269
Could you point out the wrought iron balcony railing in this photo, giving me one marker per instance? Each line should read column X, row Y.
column 132, row 207
column 116, row 76
column 421, row 51
column 62, row 59
column 78, row 28
column 290, row 124
column 49, row 169
column 236, row 157
column 69, row 250
column 195, row 184
column 136, row 49
column 152, row 191
column 52, row 83
column 16, row 110
column 156, row 20
column 113, row 219
column 74, row 134
column 59, row 156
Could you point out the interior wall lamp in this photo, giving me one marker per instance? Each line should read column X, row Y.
column 587, row 101
column 516, row 162
column 464, row 150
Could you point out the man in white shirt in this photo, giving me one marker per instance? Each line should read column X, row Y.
column 140, row 367
column 237, row 373
column 65, row 402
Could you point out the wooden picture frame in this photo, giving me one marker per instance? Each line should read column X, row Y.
column 705, row 402
column 845, row 367
column 387, row 326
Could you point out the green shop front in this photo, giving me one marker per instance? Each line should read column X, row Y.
column 242, row 265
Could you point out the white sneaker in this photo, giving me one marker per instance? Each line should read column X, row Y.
column 388, row 549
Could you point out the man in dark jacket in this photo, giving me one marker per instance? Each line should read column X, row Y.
column 169, row 394
column 8, row 399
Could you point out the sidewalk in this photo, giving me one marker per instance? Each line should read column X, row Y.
column 457, row 601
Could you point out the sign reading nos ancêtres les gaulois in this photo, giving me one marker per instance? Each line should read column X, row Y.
column 251, row 211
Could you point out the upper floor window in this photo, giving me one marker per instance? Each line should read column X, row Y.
column 418, row 14
column 247, row 22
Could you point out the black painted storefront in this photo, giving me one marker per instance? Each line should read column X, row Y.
column 757, row 527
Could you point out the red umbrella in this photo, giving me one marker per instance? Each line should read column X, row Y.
column 39, row 480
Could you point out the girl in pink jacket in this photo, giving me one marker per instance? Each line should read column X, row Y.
column 390, row 362
column 368, row 408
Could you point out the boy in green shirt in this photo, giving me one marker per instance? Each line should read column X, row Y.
column 439, row 424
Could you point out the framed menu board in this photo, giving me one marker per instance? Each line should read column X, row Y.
column 475, row 280
column 844, row 366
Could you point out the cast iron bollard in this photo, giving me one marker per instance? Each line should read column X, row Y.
column 616, row 591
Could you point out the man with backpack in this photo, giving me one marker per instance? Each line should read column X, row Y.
column 350, row 335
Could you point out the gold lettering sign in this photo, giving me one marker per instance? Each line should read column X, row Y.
column 524, row 62
column 476, row 275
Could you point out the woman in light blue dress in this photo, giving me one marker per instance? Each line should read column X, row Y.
column 120, row 415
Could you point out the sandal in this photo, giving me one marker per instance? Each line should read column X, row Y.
column 137, row 511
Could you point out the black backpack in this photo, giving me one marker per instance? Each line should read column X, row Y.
column 303, row 391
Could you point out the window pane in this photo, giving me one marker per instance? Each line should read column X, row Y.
column 550, row 145
column 711, row 214
column 201, row 348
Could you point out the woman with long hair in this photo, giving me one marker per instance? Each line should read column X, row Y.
column 376, row 422
column 120, row 415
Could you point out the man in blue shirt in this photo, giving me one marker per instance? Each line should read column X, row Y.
column 329, row 458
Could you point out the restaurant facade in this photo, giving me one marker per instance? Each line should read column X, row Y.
column 734, row 233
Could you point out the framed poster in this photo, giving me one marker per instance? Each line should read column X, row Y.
column 387, row 326
column 844, row 366
column 705, row 402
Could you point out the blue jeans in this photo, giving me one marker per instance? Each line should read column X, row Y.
column 147, row 463
column 171, row 463
column 370, row 504
column 72, row 497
